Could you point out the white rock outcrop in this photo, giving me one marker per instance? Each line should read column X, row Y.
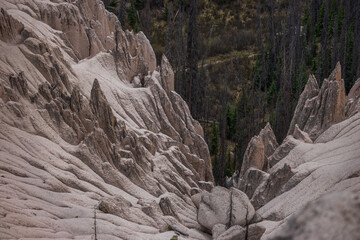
column 317, row 112
column 79, row 139
column 259, row 149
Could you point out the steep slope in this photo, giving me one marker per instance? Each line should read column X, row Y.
column 321, row 176
column 90, row 142
column 311, row 188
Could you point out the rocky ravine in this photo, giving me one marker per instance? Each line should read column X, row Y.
column 309, row 186
column 94, row 143
column 90, row 127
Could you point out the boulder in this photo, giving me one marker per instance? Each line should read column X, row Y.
column 214, row 208
column 196, row 199
column 242, row 210
column 224, row 206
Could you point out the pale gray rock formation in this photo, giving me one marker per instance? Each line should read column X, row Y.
column 167, row 75
column 316, row 113
column 233, row 233
column 255, row 232
column 305, row 104
column 301, row 135
column 259, row 149
column 355, row 90
column 119, row 206
column 196, row 199
column 326, row 166
column 242, row 211
column 333, row 216
column 353, row 100
column 252, row 232
column 79, row 138
column 102, row 111
column 223, row 206
column 271, row 187
column 217, row 230
column 289, row 143
column 251, row 180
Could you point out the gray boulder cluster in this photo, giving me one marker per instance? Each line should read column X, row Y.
column 226, row 214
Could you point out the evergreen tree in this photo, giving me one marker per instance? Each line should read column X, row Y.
column 214, row 139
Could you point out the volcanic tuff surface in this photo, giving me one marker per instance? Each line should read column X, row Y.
column 88, row 130
column 95, row 142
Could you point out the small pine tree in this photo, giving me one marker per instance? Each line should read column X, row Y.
column 229, row 171
column 214, row 139
column 132, row 17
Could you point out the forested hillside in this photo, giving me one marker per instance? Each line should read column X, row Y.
column 240, row 64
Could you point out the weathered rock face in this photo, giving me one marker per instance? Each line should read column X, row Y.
column 102, row 111
column 167, row 75
column 289, row 143
column 79, row 138
column 353, row 100
column 314, row 114
column 259, row 149
column 329, row 165
column 305, row 104
column 300, row 135
column 271, row 187
column 251, row 180
column 223, row 206
column 332, row 216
